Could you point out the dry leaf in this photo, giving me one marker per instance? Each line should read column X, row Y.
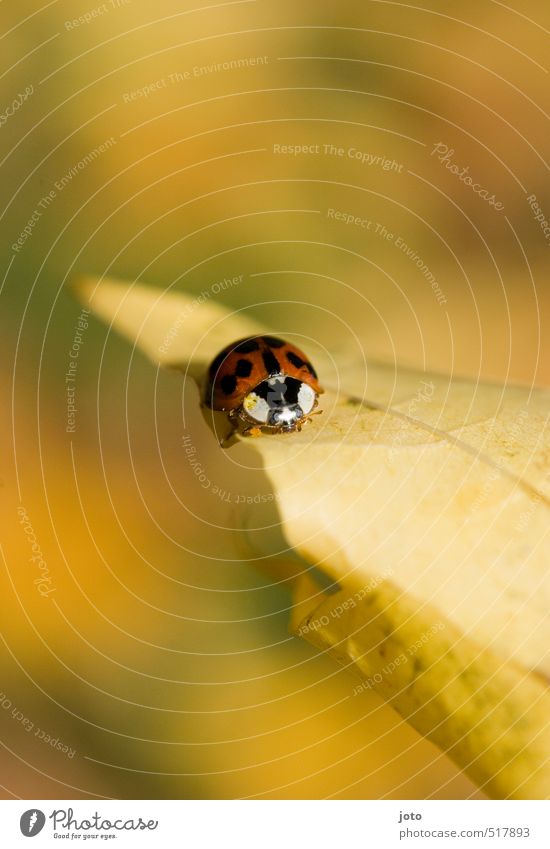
column 427, row 500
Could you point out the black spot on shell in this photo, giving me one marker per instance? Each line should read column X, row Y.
column 216, row 363
column 273, row 342
column 228, row 384
column 246, row 346
column 296, row 361
column 243, row 368
column 271, row 362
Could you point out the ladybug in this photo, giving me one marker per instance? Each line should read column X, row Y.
column 264, row 384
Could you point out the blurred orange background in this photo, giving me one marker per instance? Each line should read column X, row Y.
column 183, row 144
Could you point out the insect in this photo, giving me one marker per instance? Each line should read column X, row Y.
column 264, row 384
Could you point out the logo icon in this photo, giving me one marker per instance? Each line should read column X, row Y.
column 32, row 822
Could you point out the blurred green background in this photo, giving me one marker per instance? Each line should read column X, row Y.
column 182, row 144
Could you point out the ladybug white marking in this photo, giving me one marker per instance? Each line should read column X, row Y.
column 279, row 401
column 255, row 407
column 306, row 398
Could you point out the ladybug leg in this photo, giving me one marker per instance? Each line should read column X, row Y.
column 310, row 415
column 229, row 437
column 238, row 420
column 252, row 431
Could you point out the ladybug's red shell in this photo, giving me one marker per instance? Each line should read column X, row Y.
column 236, row 370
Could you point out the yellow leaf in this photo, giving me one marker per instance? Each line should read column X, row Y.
column 426, row 499
column 171, row 328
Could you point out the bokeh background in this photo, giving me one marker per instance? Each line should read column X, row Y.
column 148, row 142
